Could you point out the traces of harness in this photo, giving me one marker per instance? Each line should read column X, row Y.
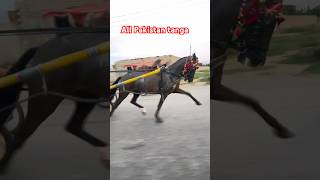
column 163, row 70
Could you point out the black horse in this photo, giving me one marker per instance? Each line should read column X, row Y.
column 86, row 80
column 224, row 18
column 164, row 83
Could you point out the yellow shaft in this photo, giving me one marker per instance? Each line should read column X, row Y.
column 135, row 78
column 55, row 64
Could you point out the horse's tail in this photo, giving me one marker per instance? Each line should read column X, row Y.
column 113, row 91
column 10, row 95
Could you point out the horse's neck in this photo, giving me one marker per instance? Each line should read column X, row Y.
column 224, row 18
column 178, row 66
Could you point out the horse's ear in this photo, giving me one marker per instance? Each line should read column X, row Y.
column 194, row 56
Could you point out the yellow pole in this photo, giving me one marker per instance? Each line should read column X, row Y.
column 136, row 78
column 55, row 64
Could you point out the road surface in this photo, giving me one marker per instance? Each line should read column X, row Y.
column 52, row 154
column 177, row 149
column 243, row 146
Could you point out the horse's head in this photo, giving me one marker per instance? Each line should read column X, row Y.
column 254, row 38
column 194, row 57
column 179, row 66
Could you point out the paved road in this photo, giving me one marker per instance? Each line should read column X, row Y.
column 244, row 147
column 177, row 149
column 53, row 154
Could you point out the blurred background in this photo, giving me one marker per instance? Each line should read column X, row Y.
column 51, row 152
column 288, row 87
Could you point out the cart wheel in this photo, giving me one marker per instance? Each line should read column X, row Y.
column 15, row 119
column 4, row 134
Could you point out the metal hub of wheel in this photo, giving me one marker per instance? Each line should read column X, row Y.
column 3, row 146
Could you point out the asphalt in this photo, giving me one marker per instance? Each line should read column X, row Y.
column 177, row 149
column 243, row 146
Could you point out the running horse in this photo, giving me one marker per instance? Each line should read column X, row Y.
column 86, row 80
column 224, row 19
column 164, row 83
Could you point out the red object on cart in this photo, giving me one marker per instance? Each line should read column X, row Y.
column 79, row 13
column 251, row 12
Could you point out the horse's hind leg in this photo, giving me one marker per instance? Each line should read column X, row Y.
column 122, row 96
column 180, row 91
column 75, row 127
column 134, row 102
column 223, row 93
column 39, row 109
column 163, row 97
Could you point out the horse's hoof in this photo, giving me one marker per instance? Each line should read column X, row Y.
column 159, row 120
column 199, row 103
column 284, row 133
column 143, row 111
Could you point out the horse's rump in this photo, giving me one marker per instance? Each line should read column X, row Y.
column 89, row 76
column 145, row 85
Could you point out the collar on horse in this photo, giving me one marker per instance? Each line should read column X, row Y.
column 177, row 75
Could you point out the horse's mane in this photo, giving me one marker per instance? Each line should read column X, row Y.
column 179, row 62
column 178, row 66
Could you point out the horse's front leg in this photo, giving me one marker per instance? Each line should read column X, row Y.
column 162, row 99
column 222, row 93
column 114, row 106
column 134, row 102
column 180, row 91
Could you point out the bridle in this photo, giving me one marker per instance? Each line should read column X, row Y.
column 177, row 75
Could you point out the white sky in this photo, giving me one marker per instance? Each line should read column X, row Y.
column 194, row 14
